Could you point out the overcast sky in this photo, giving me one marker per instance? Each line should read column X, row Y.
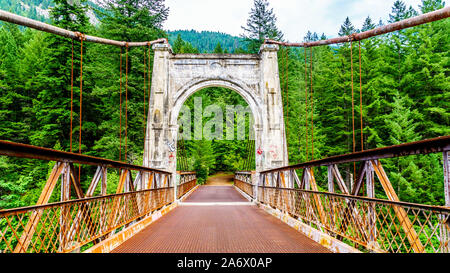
column 295, row 17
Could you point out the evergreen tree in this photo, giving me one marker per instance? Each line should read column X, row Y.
column 150, row 13
column 218, row 49
column 431, row 5
column 347, row 28
column 402, row 129
column 52, row 104
column 124, row 20
column 368, row 24
column 178, row 44
column 261, row 24
column 425, row 70
column 400, row 12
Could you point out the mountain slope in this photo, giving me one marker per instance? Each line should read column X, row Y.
column 38, row 9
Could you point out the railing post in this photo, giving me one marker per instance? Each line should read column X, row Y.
column 370, row 189
column 255, row 178
column 330, row 179
column 175, row 186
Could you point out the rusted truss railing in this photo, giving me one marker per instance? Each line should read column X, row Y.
column 395, row 226
column 188, row 180
column 64, row 226
column 243, row 181
column 370, row 223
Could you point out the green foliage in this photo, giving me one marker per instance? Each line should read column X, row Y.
column 206, row 41
column 405, row 97
column 261, row 24
column 210, row 156
column 405, row 93
column 181, row 46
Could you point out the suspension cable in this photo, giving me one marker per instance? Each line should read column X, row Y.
column 120, row 109
column 286, row 86
column 306, row 106
column 353, row 108
column 71, row 100
column 312, row 103
column 148, row 89
column 353, row 96
column 126, row 102
column 81, row 102
column 148, row 74
column 360, row 98
column 81, row 93
column 145, row 84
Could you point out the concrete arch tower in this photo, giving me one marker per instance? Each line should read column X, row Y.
column 177, row 76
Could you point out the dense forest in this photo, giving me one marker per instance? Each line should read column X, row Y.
column 35, row 9
column 206, row 41
column 40, row 9
column 405, row 93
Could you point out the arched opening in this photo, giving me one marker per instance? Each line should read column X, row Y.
column 216, row 132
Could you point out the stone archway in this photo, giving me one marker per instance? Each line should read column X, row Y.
column 177, row 76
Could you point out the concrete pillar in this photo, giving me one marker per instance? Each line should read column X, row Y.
column 273, row 136
column 157, row 145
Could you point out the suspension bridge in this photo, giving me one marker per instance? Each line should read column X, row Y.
column 275, row 208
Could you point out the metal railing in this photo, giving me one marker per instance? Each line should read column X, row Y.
column 365, row 222
column 70, row 224
column 188, row 180
column 243, row 180
column 65, row 226
column 370, row 223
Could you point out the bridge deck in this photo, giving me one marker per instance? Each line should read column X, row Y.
column 215, row 194
column 218, row 228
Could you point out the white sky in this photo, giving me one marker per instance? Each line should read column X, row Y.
column 295, row 17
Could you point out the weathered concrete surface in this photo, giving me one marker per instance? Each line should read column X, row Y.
column 176, row 77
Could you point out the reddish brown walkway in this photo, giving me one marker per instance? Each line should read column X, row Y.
column 216, row 194
column 219, row 229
